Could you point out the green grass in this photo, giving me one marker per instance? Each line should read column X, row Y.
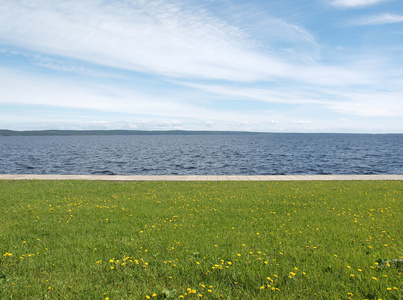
column 215, row 240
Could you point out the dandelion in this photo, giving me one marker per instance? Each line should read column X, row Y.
column 374, row 278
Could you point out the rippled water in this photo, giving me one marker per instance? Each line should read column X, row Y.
column 267, row 154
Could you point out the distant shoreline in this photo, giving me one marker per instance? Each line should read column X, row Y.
column 120, row 132
column 6, row 132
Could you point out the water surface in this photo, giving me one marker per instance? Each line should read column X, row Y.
column 260, row 154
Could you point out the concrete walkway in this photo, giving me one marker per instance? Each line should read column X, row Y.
column 200, row 177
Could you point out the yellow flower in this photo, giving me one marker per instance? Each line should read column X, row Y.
column 374, row 278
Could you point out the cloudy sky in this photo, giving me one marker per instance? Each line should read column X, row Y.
column 256, row 65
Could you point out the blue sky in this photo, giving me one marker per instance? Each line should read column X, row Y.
column 256, row 65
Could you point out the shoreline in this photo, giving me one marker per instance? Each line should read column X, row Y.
column 201, row 177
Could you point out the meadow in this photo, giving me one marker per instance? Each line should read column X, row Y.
column 201, row 240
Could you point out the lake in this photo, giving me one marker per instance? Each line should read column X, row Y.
column 252, row 154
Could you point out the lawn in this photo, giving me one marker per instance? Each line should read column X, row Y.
column 209, row 240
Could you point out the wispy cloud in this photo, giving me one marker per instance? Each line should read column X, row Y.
column 355, row 3
column 158, row 37
column 21, row 88
column 378, row 19
column 167, row 39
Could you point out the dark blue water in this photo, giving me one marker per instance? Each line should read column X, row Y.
column 271, row 154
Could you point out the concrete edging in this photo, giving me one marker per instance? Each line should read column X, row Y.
column 200, row 177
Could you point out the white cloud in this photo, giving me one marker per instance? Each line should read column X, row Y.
column 164, row 38
column 369, row 103
column 355, row 3
column 378, row 20
column 209, row 123
column 160, row 37
column 45, row 91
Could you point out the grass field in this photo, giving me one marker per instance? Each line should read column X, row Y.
column 210, row 240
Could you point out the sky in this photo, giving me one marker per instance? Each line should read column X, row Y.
column 256, row 65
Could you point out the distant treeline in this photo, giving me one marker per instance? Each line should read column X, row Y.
column 118, row 132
